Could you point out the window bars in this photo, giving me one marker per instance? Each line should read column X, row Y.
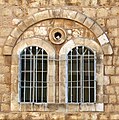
column 81, row 78
column 33, row 75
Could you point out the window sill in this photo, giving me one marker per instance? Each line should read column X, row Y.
column 62, row 107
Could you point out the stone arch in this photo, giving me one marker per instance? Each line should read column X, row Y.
column 57, row 13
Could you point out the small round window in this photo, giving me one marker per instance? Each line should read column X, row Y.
column 57, row 35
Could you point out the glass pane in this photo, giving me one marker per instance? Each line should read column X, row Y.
column 74, row 95
column 69, row 94
column 27, row 95
column 92, row 94
column 86, row 94
column 44, row 94
column 38, row 94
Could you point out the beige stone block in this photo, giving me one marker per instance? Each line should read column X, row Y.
column 16, row 32
column 108, row 60
column 6, row 11
column 114, row 116
column 69, row 14
column 102, row 12
column 10, row 41
column 97, row 29
column 112, row 98
column 2, row 60
column 6, row 98
column 18, row 12
column 117, row 70
column 106, row 80
column 5, row 107
column 107, row 49
column 116, row 60
column 104, row 116
column 34, row 4
column 117, row 98
column 112, row 22
column 16, row 21
column 88, row 22
column 7, row 50
column 22, row 26
column 41, row 16
column 105, row 99
column 80, row 17
column 87, row 107
column 32, row 11
column 28, row 34
column 5, row 31
column 55, row 13
column 109, row 70
column 109, row 90
column 2, row 40
column 60, row 22
column 117, row 89
column 90, row 12
column 116, row 51
column 114, row 79
column 4, row 69
column 40, row 31
column 109, row 108
column 113, row 32
column 104, row 2
column 101, row 22
column 116, row 41
column 29, row 21
column 115, row 11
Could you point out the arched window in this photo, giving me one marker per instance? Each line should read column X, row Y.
column 81, row 79
column 33, row 75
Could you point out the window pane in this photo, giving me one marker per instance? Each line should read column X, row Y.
column 33, row 74
column 80, row 74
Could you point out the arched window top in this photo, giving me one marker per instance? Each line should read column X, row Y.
column 81, row 50
column 33, row 50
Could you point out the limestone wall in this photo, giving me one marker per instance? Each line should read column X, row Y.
column 104, row 12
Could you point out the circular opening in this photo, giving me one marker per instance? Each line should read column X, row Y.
column 57, row 36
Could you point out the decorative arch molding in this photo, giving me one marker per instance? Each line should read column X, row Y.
column 57, row 13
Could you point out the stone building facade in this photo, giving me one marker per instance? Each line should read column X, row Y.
column 90, row 23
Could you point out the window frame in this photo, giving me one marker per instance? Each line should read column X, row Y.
column 33, row 87
column 80, row 71
column 94, row 46
column 15, row 104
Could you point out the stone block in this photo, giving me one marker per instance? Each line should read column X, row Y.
column 114, row 11
column 29, row 21
column 116, row 51
column 102, row 12
column 104, row 116
column 16, row 32
column 2, row 60
column 2, row 40
column 106, row 80
column 16, row 21
column 109, row 108
column 117, row 42
column 6, row 98
column 101, row 22
column 28, row 34
column 40, row 31
column 116, row 60
column 103, row 39
column 114, row 116
column 5, row 31
column 88, row 22
column 4, row 69
column 107, row 49
column 7, row 50
column 55, row 13
column 69, row 14
column 10, row 41
column 22, row 26
column 90, row 12
column 18, row 12
column 109, row 90
column 109, row 70
column 41, row 16
column 108, row 60
column 60, row 22
column 80, row 17
column 96, row 29
column 113, row 32
column 117, row 90
column 114, row 79
column 112, row 22
column 112, row 98
column 5, row 107
column 117, row 70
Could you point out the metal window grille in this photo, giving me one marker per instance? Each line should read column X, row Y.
column 33, row 75
column 81, row 79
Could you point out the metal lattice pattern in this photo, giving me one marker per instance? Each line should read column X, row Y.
column 33, row 75
column 81, row 75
